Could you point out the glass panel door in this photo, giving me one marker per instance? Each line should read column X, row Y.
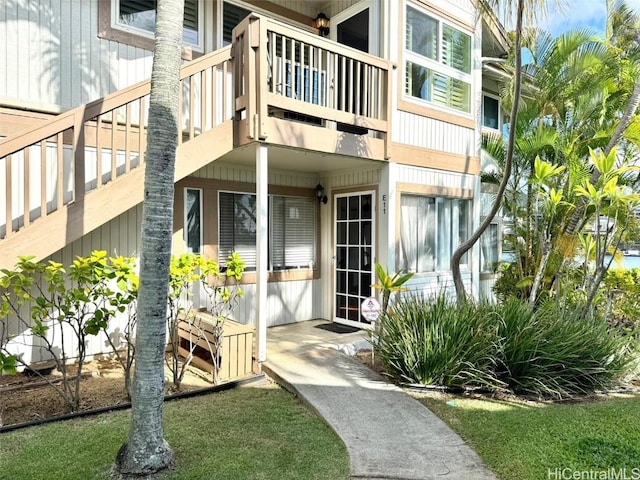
column 354, row 250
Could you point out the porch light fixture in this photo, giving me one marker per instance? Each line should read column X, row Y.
column 320, row 195
column 322, row 24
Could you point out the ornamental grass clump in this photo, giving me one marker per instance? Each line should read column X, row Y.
column 438, row 343
column 548, row 351
column 555, row 353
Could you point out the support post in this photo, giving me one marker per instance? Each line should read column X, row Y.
column 262, row 254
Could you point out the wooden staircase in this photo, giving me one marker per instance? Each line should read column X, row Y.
column 85, row 167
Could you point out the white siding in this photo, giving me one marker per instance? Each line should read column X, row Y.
column 369, row 176
column 51, row 56
column 219, row 170
column 120, row 236
column 336, row 6
column 435, row 284
column 304, row 7
column 438, row 178
column 486, row 289
column 411, row 129
column 287, row 302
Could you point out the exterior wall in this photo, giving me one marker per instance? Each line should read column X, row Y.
column 335, row 6
column 416, row 123
column 120, row 236
column 425, row 132
column 287, row 301
column 52, row 58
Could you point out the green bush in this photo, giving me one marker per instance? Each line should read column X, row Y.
column 546, row 352
column 551, row 352
column 438, row 343
column 620, row 301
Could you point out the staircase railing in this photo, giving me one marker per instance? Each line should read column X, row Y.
column 55, row 164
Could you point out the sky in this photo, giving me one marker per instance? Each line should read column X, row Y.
column 578, row 14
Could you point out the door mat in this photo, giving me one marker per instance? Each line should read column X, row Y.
column 337, row 328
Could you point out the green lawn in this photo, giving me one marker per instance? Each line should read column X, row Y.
column 245, row 433
column 548, row 441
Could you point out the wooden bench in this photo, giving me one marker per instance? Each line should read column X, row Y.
column 236, row 358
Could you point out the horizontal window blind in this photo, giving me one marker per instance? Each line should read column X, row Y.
column 237, row 230
column 456, row 49
column 292, row 230
column 232, row 15
column 422, row 82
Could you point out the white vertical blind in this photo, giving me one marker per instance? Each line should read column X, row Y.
column 430, row 229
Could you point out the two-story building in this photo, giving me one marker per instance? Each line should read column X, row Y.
column 317, row 136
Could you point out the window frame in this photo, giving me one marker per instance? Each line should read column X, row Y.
column 436, row 66
column 186, row 215
column 116, row 25
column 439, row 197
column 500, row 116
column 487, row 236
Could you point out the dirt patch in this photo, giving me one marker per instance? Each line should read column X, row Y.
column 29, row 397
column 368, row 358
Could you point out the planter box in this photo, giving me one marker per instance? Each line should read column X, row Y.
column 236, row 359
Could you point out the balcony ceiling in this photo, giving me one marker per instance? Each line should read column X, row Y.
column 296, row 160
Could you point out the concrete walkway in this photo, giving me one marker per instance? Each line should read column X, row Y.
column 388, row 434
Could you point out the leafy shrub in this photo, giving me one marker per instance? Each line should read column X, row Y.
column 50, row 301
column 552, row 352
column 620, row 302
column 438, row 343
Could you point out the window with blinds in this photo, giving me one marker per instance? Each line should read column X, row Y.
column 292, row 230
column 141, row 15
column 437, row 61
column 237, row 227
column 232, row 15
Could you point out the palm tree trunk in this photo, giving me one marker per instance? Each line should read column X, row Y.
column 146, row 451
column 467, row 245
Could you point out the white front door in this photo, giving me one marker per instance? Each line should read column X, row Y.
column 354, row 251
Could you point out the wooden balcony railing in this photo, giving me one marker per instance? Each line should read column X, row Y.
column 283, row 69
column 52, row 165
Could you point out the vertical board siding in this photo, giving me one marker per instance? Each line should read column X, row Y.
column 120, row 236
column 287, row 302
column 438, row 178
column 219, row 170
column 368, row 176
column 436, row 284
column 486, row 290
column 307, row 8
column 418, row 131
column 336, row 6
column 51, row 56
